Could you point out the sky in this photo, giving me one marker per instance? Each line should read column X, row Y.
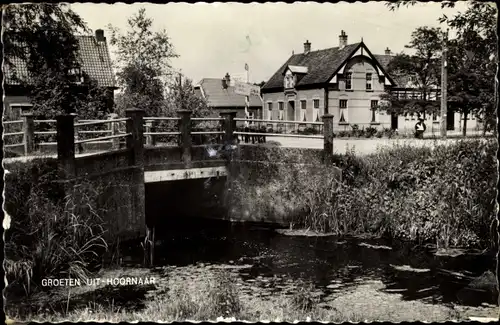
column 212, row 39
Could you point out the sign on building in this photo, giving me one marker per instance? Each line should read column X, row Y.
column 242, row 88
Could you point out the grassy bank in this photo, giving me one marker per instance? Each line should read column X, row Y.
column 209, row 293
column 444, row 195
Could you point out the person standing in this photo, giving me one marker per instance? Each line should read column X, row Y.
column 420, row 128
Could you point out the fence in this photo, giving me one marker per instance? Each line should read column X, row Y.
column 74, row 136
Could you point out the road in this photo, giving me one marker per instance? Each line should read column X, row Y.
column 361, row 146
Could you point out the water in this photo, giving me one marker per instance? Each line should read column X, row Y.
column 334, row 265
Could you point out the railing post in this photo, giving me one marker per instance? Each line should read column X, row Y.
column 149, row 138
column 328, row 138
column 29, row 132
column 229, row 127
column 135, row 142
column 113, row 126
column 185, row 138
column 66, row 145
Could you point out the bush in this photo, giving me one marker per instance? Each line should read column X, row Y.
column 51, row 235
column 370, row 132
column 444, row 195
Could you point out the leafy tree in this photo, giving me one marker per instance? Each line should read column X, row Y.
column 43, row 37
column 423, row 69
column 143, row 64
column 472, row 60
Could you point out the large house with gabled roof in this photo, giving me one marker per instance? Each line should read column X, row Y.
column 346, row 81
column 95, row 64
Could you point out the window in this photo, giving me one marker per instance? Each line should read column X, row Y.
column 374, row 108
column 289, row 81
column 348, row 80
column 75, row 75
column 281, row 107
column 406, row 117
column 303, row 104
column 343, row 110
column 434, row 117
column 16, row 111
column 270, row 106
column 369, row 81
column 316, row 103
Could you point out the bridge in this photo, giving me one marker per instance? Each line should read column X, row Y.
column 140, row 150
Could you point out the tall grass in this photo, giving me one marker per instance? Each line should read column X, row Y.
column 444, row 194
column 54, row 232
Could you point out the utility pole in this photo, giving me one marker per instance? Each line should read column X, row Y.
column 444, row 85
column 247, row 98
column 181, row 92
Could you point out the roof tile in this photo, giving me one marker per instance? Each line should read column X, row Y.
column 321, row 65
column 93, row 56
column 217, row 96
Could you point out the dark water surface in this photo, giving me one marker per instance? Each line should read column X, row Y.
column 330, row 263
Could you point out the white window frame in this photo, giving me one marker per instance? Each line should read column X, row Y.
column 270, row 109
column 316, row 111
column 281, row 109
column 303, row 110
column 369, row 82
column 348, row 73
column 344, row 111
column 314, row 100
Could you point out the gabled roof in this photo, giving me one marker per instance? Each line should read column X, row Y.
column 321, row 64
column 217, row 96
column 93, row 56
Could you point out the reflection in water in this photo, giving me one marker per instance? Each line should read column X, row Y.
column 334, row 265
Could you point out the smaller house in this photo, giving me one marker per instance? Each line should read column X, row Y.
column 221, row 97
column 95, row 64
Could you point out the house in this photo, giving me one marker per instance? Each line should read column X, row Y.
column 95, row 64
column 346, row 81
column 221, row 97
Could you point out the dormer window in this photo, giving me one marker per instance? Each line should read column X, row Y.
column 75, row 75
column 293, row 74
column 289, row 80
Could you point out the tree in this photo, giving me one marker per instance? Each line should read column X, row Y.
column 43, row 36
column 182, row 96
column 472, row 60
column 143, row 64
column 422, row 68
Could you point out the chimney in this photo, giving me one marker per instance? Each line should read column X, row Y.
column 99, row 35
column 342, row 40
column 307, row 47
column 387, row 51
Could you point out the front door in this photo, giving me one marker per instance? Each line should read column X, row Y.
column 450, row 121
column 291, row 111
column 394, row 121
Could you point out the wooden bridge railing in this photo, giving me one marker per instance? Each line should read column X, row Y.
column 183, row 131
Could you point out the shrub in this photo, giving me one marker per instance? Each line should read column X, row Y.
column 370, row 131
column 51, row 235
column 444, row 195
column 343, row 134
